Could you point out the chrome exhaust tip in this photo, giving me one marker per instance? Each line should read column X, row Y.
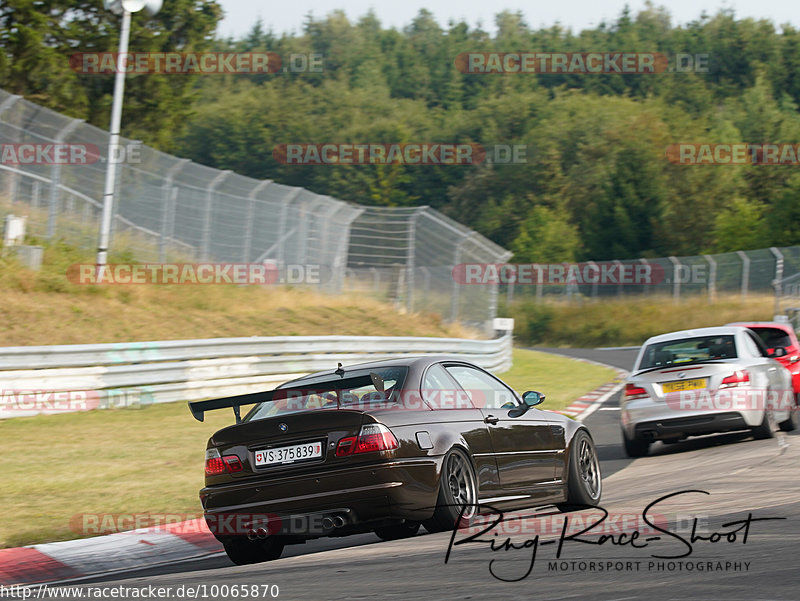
column 328, row 523
column 262, row 533
column 252, row 535
column 338, row 521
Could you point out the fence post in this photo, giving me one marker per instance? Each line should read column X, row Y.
column 778, row 281
column 676, row 280
column 712, row 278
column 595, row 283
column 456, row 290
column 12, row 185
column 745, row 271
column 251, row 215
column 206, row 246
column 55, row 177
column 169, row 198
column 411, row 236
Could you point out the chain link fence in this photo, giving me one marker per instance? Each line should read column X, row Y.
column 760, row 271
column 168, row 209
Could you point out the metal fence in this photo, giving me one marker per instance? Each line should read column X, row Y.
column 171, row 209
column 734, row 273
column 136, row 373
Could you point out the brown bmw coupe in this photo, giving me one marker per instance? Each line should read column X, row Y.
column 386, row 447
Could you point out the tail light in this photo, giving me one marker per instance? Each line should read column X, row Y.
column 632, row 391
column 737, row 378
column 373, row 437
column 215, row 464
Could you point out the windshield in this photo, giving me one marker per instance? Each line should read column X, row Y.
column 686, row 350
column 322, row 394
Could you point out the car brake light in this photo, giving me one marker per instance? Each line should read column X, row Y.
column 634, row 391
column 373, row 437
column 216, row 465
column 736, row 378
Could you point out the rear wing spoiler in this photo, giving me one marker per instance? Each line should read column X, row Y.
column 198, row 408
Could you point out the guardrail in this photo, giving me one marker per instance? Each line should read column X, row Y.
column 135, row 373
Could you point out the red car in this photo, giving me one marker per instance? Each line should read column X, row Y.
column 777, row 334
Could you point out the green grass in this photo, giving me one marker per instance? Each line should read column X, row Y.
column 150, row 460
column 627, row 321
column 562, row 380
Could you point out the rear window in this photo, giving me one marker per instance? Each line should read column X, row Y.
column 773, row 337
column 677, row 352
column 322, row 395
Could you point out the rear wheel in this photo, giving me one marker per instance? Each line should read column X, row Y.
column 635, row 447
column 766, row 429
column 458, row 490
column 243, row 551
column 584, row 481
column 791, row 424
column 404, row 529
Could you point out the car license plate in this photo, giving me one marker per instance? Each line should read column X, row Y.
column 680, row 385
column 289, row 454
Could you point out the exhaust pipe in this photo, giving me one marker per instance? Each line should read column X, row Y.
column 328, row 523
column 251, row 535
column 338, row 521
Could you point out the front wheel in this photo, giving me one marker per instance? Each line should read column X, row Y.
column 584, row 481
column 458, row 490
column 243, row 551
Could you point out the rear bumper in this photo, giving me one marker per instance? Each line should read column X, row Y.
column 679, row 427
column 394, row 489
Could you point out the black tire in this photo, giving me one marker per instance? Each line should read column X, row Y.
column 790, row 425
column 584, row 480
column 635, row 447
column 404, row 529
column 458, row 487
column 764, row 430
column 243, row 551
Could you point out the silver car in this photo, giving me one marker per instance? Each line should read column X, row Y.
column 703, row 381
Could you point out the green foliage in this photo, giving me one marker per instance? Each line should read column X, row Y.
column 595, row 183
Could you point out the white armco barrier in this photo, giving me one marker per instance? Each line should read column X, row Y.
column 55, row 379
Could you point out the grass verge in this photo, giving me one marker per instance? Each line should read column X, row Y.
column 150, row 460
column 627, row 321
column 43, row 308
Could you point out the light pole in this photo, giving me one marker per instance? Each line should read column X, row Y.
column 124, row 8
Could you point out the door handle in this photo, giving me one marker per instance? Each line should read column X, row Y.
column 491, row 419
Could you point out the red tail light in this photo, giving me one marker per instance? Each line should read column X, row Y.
column 634, row 391
column 373, row 437
column 220, row 465
column 737, row 378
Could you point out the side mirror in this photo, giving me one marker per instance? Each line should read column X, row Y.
column 778, row 351
column 532, row 398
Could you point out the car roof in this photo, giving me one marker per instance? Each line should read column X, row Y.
column 695, row 333
column 763, row 324
column 419, row 362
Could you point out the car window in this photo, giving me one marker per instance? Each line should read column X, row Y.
column 485, row 391
column 684, row 350
column 773, row 337
column 441, row 392
column 321, row 395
